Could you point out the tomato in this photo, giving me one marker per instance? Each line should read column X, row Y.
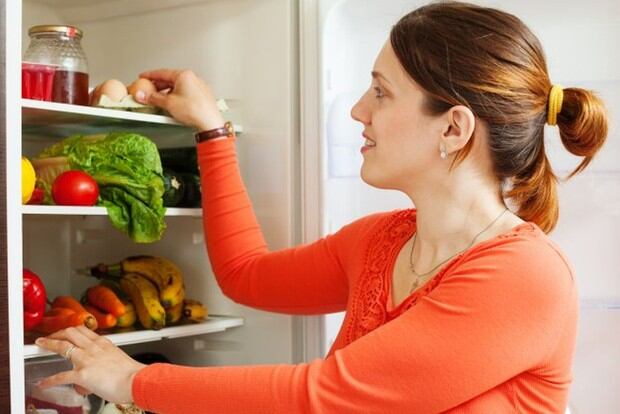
column 38, row 195
column 75, row 188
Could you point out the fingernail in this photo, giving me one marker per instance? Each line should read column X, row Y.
column 39, row 341
column 140, row 96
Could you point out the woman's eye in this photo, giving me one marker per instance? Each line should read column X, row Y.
column 378, row 92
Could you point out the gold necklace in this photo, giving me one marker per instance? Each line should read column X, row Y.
column 419, row 276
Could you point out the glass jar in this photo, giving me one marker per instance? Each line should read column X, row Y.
column 54, row 67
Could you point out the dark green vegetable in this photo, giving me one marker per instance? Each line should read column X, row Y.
column 174, row 189
column 128, row 170
column 192, row 196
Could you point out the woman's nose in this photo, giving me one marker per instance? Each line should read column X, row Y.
column 359, row 112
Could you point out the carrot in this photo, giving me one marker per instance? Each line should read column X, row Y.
column 104, row 320
column 68, row 302
column 60, row 318
column 104, row 298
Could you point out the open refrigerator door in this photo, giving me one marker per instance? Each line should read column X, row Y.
column 250, row 62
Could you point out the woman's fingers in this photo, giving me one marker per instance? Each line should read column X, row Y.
column 74, row 336
column 162, row 75
column 81, row 390
column 87, row 332
column 60, row 347
column 157, row 99
column 62, row 378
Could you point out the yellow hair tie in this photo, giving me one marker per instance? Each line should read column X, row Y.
column 556, row 96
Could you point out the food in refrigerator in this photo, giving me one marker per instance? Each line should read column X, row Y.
column 54, row 66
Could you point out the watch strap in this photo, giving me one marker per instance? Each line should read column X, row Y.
column 225, row 131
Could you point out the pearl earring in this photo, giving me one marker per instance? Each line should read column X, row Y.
column 442, row 152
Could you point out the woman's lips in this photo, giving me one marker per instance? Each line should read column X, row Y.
column 368, row 145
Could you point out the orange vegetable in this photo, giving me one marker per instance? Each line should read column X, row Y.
column 104, row 320
column 68, row 302
column 104, row 298
column 61, row 318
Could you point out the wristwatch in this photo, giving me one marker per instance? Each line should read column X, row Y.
column 226, row 131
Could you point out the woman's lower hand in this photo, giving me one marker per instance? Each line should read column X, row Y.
column 188, row 98
column 99, row 366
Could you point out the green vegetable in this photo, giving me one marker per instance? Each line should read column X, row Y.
column 174, row 189
column 128, row 171
column 192, row 196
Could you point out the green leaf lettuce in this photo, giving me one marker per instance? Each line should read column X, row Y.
column 128, row 171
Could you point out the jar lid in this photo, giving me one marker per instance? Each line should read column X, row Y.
column 69, row 31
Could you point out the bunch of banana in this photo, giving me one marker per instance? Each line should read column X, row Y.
column 145, row 298
column 129, row 317
column 194, row 310
column 160, row 271
column 174, row 314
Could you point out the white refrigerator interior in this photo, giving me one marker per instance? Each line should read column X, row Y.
column 581, row 45
column 247, row 51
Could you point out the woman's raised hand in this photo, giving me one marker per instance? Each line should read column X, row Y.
column 185, row 96
column 99, row 366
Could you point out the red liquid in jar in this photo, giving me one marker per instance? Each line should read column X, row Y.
column 70, row 87
column 37, row 81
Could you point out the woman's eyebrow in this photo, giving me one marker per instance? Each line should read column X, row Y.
column 376, row 74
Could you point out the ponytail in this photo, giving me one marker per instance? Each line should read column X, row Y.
column 583, row 129
column 583, row 125
column 536, row 195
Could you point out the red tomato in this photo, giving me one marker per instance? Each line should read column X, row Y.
column 75, row 188
column 37, row 196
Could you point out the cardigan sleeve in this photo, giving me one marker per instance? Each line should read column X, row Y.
column 498, row 313
column 308, row 279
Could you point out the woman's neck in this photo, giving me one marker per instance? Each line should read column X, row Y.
column 449, row 220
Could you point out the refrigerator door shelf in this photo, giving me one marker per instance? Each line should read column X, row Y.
column 51, row 121
column 214, row 323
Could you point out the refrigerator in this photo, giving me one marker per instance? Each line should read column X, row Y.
column 248, row 52
column 290, row 71
column 580, row 43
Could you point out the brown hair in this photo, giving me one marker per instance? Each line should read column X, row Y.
column 489, row 61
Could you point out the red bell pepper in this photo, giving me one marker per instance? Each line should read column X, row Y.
column 34, row 299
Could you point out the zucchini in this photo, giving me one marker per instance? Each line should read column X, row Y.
column 192, row 196
column 174, row 189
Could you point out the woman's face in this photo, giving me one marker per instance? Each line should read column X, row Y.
column 402, row 140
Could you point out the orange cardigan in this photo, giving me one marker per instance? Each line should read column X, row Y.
column 493, row 332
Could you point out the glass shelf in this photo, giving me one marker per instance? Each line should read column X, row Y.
column 51, row 121
column 98, row 211
column 214, row 323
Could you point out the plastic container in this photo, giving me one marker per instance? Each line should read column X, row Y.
column 55, row 52
column 63, row 398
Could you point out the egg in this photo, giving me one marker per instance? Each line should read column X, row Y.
column 141, row 84
column 113, row 89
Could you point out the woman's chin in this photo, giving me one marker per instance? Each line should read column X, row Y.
column 374, row 180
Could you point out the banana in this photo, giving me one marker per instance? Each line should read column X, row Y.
column 129, row 317
column 144, row 296
column 161, row 271
column 194, row 310
column 174, row 313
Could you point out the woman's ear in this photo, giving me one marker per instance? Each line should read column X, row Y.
column 460, row 125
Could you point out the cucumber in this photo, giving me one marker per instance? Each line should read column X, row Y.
column 192, row 196
column 174, row 189
column 182, row 159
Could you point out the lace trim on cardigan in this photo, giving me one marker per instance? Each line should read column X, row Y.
column 368, row 310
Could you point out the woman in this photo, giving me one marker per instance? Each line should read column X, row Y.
column 458, row 306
